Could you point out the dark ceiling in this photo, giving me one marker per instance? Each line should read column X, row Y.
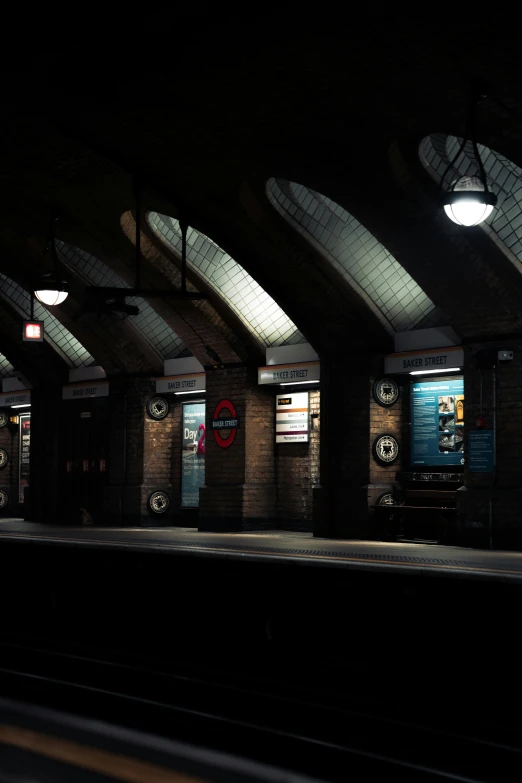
column 206, row 109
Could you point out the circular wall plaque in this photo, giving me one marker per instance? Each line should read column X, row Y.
column 4, row 418
column 225, row 424
column 386, row 499
column 4, row 498
column 157, row 408
column 4, row 459
column 385, row 392
column 159, row 502
column 385, row 449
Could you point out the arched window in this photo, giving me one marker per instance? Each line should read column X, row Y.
column 256, row 309
column 388, row 290
column 151, row 326
column 61, row 339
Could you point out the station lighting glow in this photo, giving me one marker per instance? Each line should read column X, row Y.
column 51, row 290
column 297, row 383
column 25, row 405
column 191, row 391
column 469, row 202
column 436, row 372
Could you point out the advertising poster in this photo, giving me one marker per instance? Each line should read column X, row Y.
column 437, row 423
column 292, row 418
column 25, row 450
column 193, row 453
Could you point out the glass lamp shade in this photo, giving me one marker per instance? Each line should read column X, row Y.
column 51, row 298
column 468, row 204
column 50, row 290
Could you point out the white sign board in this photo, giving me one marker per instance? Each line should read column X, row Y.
column 292, row 418
column 85, row 390
column 20, row 397
column 440, row 359
column 289, row 373
column 181, row 383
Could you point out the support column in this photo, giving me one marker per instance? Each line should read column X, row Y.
column 341, row 500
column 146, row 452
column 43, row 504
column 488, row 507
column 239, row 492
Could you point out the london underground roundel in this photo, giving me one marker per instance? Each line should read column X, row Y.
column 4, row 498
column 3, row 418
column 4, row 459
column 225, row 424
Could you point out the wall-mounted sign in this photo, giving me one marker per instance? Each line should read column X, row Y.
column 158, row 408
column 292, row 418
column 33, row 332
column 385, row 392
column 193, row 453
column 4, row 498
column 85, row 390
column 437, row 359
column 21, row 397
column 481, row 451
column 225, row 424
column 4, row 459
column 181, row 383
column 24, row 456
column 385, row 449
column 437, row 423
column 4, row 418
column 289, row 373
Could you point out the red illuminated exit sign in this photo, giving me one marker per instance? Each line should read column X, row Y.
column 33, row 332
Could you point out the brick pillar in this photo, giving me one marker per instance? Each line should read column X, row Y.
column 239, row 491
column 147, row 457
column 493, row 497
column 341, row 500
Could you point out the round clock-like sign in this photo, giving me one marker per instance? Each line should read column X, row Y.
column 4, row 498
column 385, row 392
column 4, row 459
column 157, row 408
column 385, row 449
column 386, row 499
column 159, row 502
column 4, row 418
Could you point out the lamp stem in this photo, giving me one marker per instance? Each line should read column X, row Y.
column 183, row 228
column 137, row 197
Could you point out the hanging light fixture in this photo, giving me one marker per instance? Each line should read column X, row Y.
column 469, row 201
column 51, row 288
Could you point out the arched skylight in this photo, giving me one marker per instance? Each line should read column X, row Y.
column 69, row 348
column 256, row 309
column 6, row 368
column 391, row 293
column 504, row 226
column 151, row 326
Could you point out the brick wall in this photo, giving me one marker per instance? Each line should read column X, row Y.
column 9, row 440
column 297, row 472
column 239, row 491
column 392, row 421
column 504, row 489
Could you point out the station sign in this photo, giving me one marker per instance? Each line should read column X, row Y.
column 225, row 423
column 292, row 418
column 180, row 383
column 438, row 359
column 33, row 332
column 85, row 390
column 20, row 397
column 289, row 373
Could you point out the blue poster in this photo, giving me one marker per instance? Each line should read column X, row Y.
column 192, row 453
column 437, row 423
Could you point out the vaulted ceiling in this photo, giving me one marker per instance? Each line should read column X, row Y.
column 206, row 119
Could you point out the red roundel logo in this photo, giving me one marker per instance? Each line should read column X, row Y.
column 225, row 424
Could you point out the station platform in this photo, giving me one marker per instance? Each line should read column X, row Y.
column 279, row 546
